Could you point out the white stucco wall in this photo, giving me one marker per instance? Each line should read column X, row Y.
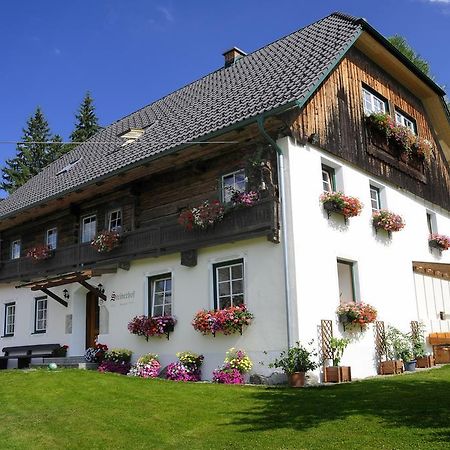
column 192, row 291
column 384, row 276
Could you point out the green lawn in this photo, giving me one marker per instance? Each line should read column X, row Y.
column 82, row 409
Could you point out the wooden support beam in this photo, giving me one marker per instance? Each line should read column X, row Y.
column 54, row 296
column 92, row 289
column 189, row 258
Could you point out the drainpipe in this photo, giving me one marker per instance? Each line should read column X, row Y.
column 282, row 194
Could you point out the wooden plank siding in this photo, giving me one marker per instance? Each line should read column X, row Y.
column 335, row 115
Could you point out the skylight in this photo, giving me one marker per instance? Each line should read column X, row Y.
column 69, row 166
column 131, row 135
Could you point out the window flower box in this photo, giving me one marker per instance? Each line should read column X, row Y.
column 40, row 253
column 360, row 314
column 203, row 216
column 439, row 241
column 342, row 204
column 106, row 241
column 387, row 221
column 227, row 321
column 152, row 326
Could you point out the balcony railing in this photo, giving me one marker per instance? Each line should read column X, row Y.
column 162, row 236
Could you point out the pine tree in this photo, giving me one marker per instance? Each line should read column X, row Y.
column 401, row 44
column 32, row 154
column 87, row 122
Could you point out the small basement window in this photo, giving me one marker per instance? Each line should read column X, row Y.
column 131, row 135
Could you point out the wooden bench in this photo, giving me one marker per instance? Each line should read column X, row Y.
column 24, row 353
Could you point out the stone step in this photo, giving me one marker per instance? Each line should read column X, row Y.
column 68, row 365
column 65, row 360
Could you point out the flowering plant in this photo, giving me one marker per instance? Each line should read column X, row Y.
column 105, row 241
column 203, row 216
column 380, row 121
column 116, row 360
column 356, row 313
column 387, row 220
column 228, row 376
column 147, row 366
column 151, row 326
column 422, row 149
column 40, row 253
column 187, row 368
column 235, row 365
column 96, row 353
column 439, row 241
column 227, row 321
column 61, row 351
column 343, row 204
column 244, row 198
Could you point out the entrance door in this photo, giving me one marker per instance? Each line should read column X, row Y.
column 92, row 319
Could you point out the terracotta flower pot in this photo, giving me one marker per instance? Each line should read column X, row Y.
column 296, row 379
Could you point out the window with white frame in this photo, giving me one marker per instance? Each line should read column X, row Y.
column 346, row 278
column 328, row 179
column 375, row 198
column 88, row 228
column 52, row 238
column 431, row 222
column 228, row 284
column 233, row 182
column 10, row 319
column 405, row 121
column 115, row 220
column 15, row 249
column 160, row 295
column 373, row 103
column 40, row 315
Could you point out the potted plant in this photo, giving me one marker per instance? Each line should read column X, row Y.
column 356, row 314
column 337, row 373
column 387, row 221
column 399, row 347
column 106, row 241
column 203, row 216
column 423, row 360
column 188, row 367
column 339, row 203
column 439, row 241
column 295, row 362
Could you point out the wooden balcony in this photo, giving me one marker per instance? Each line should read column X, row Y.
column 162, row 236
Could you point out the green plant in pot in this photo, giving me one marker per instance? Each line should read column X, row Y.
column 295, row 362
column 399, row 346
column 337, row 373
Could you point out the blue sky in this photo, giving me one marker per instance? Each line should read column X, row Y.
column 128, row 53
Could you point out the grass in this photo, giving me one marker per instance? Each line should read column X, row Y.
column 80, row 409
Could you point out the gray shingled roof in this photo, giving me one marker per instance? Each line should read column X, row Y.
column 276, row 75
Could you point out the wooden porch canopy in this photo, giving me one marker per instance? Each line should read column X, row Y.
column 439, row 270
column 45, row 284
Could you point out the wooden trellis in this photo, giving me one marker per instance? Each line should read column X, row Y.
column 380, row 341
column 326, row 328
column 415, row 329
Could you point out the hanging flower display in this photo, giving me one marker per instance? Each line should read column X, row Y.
column 439, row 241
column 387, row 220
column 356, row 313
column 247, row 199
column 227, row 321
column 152, row 326
column 342, row 204
column 105, row 241
column 203, row 216
column 40, row 253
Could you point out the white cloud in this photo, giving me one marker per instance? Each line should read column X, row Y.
column 166, row 13
column 440, row 1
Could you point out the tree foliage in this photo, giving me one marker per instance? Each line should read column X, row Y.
column 86, row 121
column 35, row 151
column 401, row 44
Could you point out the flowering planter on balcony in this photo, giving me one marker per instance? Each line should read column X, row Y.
column 337, row 202
column 40, row 253
column 439, row 241
column 152, row 326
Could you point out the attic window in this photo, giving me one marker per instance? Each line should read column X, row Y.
column 131, row 135
column 69, row 166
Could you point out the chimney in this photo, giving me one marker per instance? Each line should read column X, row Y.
column 232, row 55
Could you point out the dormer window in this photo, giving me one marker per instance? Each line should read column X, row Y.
column 373, row 103
column 405, row 121
column 131, row 135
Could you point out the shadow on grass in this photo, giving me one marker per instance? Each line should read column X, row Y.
column 406, row 401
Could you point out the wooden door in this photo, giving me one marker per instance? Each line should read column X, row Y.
column 92, row 319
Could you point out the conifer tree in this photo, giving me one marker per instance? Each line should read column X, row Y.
column 86, row 120
column 401, row 44
column 33, row 153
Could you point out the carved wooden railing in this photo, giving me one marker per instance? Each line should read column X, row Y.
column 161, row 236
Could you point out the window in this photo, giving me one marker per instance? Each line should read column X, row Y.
column 373, row 103
column 15, row 249
column 115, row 220
column 160, row 290
column 346, row 277
column 431, row 222
column 407, row 122
column 375, row 198
column 228, row 284
column 10, row 319
column 231, row 183
column 89, row 228
column 328, row 179
column 40, row 315
column 52, row 238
